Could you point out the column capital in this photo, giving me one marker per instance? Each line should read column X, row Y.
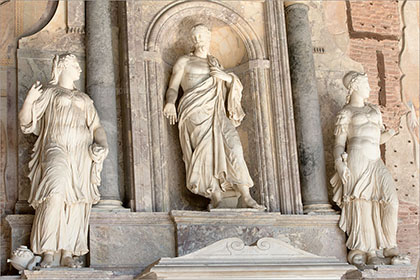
column 287, row 4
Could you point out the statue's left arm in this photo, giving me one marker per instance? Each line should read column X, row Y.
column 234, row 107
column 99, row 148
column 385, row 134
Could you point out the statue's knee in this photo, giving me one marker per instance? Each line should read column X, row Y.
column 56, row 199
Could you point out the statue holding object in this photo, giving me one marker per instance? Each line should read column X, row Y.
column 212, row 151
column 363, row 187
column 66, row 162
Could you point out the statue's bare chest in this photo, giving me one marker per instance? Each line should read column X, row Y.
column 365, row 116
column 197, row 66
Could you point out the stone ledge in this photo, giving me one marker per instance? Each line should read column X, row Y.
column 384, row 272
column 68, row 273
column 251, row 217
column 131, row 218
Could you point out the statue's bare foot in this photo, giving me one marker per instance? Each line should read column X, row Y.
column 47, row 260
column 391, row 252
column 251, row 203
column 375, row 260
column 356, row 257
column 216, row 198
column 68, row 261
column 400, row 260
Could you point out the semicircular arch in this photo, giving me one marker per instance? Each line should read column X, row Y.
column 170, row 15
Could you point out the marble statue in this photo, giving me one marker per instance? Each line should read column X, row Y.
column 362, row 186
column 66, row 162
column 212, row 151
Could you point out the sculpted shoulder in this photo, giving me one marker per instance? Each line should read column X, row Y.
column 346, row 111
column 374, row 107
column 182, row 61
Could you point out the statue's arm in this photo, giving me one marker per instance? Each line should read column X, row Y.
column 175, row 81
column 339, row 146
column 385, row 136
column 339, row 152
column 169, row 110
column 99, row 137
column 25, row 114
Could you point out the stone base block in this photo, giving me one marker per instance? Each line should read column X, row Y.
column 69, row 273
column 383, row 272
column 316, row 234
column 20, row 226
column 130, row 241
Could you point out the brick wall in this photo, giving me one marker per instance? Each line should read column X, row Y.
column 374, row 41
column 408, row 230
column 375, row 34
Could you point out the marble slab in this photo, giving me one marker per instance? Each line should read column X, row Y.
column 130, row 240
column 315, row 234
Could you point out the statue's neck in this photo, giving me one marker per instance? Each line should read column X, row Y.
column 66, row 83
column 201, row 53
column 357, row 102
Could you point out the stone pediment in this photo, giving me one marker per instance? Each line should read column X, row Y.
column 232, row 249
column 230, row 258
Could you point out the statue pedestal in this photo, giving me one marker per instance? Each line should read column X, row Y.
column 120, row 241
column 315, row 234
column 69, row 273
column 407, row 272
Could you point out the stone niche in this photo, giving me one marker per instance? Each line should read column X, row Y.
column 248, row 38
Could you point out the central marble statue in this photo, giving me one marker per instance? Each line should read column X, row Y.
column 212, row 151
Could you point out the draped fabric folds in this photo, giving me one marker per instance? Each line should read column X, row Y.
column 368, row 200
column 60, row 169
column 211, row 147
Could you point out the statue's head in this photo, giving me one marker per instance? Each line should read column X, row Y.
column 356, row 83
column 65, row 64
column 201, row 37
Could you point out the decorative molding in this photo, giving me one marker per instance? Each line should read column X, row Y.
column 231, row 258
column 181, row 217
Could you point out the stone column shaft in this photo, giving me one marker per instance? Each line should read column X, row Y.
column 306, row 109
column 100, row 85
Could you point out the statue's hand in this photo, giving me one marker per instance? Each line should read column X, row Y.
column 170, row 112
column 34, row 92
column 342, row 170
column 392, row 132
column 216, row 72
column 98, row 153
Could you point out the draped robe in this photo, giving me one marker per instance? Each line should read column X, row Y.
column 61, row 169
column 211, row 147
column 368, row 200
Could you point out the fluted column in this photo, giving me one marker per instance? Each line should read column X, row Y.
column 306, row 109
column 100, row 85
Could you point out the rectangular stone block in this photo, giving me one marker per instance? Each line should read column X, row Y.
column 316, row 234
column 130, row 240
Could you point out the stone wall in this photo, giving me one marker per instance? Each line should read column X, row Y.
column 379, row 37
column 17, row 19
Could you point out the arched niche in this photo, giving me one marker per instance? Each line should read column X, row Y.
column 160, row 183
